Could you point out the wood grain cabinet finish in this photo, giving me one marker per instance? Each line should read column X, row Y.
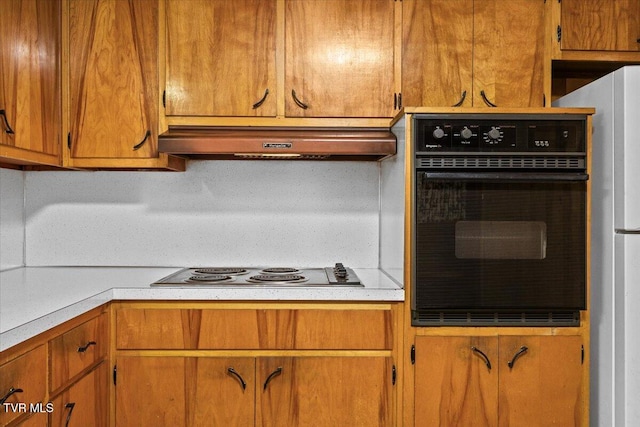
column 113, row 85
column 77, row 350
column 40, row 419
column 22, row 380
column 339, row 58
column 473, row 53
column 30, row 86
column 221, row 58
column 602, row 25
column 498, row 381
column 85, row 403
column 269, row 391
column 303, row 329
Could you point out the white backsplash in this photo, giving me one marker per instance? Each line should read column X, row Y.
column 11, row 218
column 217, row 213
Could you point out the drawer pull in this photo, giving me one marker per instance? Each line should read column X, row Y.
column 238, row 376
column 141, row 143
column 297, row 101
column 261, row 101
column 486, row 100
column 9, row 393
column 484, row 356
column 69, row 406
column 273, row 374
column 6, row 122
column 85, row 347
column 462, row 97
column 520, row 352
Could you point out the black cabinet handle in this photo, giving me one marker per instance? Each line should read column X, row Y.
column 519, row 353
column 484, row 356
column 238, row 376
column 141, row 143
column 462, row 97
column 9, row 393
column 69, row 406
column 86, row 346
column 486, row 100
column 259, row 103
column 297, row 101
column 6, row 122
column 273, row 374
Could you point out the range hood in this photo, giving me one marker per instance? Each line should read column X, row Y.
column 207, row 142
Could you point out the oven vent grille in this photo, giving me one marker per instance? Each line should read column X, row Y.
column 456, row 318
column 502, row 162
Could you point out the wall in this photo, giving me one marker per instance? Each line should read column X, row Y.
column 11, row 218
column 217, row 213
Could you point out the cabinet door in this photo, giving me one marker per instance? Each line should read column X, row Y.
column 437, row 50
column 179, row 391
column 324, row 391
column 221, row 58
column 508, row 53
column 541, row 381
column 86, row 403
column 609, row 25
column 113, row 78
column 456, row 381
column 339, row 58
column 30, row 80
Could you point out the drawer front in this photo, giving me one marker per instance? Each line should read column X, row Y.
column 76, row 350
column 213, row 329
column 26, row 373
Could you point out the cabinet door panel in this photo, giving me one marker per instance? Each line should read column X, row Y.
column 339, row 58
column 609, row 25
column 221, row 57
column 30, row 74
column 508, row 53
column 324, row 391
column 113, row 79
column 437, row 52
column 544, row 385
column 85, row 403
column 453, row 384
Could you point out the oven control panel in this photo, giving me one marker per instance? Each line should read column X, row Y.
column 528, row 133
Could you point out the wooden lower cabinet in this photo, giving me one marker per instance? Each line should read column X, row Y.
column 247, row 391
column 499, row 381
column 85, row 403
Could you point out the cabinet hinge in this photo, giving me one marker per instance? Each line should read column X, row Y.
column 559, row 33
column 544, row 100
column 413, row 354
column 115, row 373
column 393, row 375
column 164, row 99
column 582, row 354
column 69, row 140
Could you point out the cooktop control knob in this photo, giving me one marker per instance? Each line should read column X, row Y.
column 494, row 133
column 493, row 136
column 340, row 271
column 466, row 133
column 438, row 133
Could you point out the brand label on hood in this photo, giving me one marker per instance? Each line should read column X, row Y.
column 277, row 145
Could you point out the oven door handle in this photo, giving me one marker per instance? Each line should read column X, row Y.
column 507, row 176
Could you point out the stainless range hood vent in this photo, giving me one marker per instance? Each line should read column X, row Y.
column 220, row 143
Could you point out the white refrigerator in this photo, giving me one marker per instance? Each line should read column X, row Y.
column 615, row 245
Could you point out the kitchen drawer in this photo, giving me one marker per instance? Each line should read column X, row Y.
column 26, row 373
column 213, row 329
column 78, row 349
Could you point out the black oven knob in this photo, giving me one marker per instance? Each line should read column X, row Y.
column 438, row 133
column 466, row 133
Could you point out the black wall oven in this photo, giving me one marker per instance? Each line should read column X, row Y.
column 499, row 219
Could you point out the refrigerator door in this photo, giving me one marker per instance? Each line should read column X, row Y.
column 627, row 327
column 627, row 147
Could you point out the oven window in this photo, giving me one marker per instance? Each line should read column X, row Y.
column 501, row 239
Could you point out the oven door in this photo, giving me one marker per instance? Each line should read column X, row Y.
column 499, row 248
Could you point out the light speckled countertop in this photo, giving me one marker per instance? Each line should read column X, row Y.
column 34, row 299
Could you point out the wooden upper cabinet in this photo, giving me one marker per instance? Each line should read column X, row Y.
column 473, row 53
column 339, row 58
column 605, row 25
column 113, row 83
column 437, row 53
column 221, row 58
column 30, row 89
